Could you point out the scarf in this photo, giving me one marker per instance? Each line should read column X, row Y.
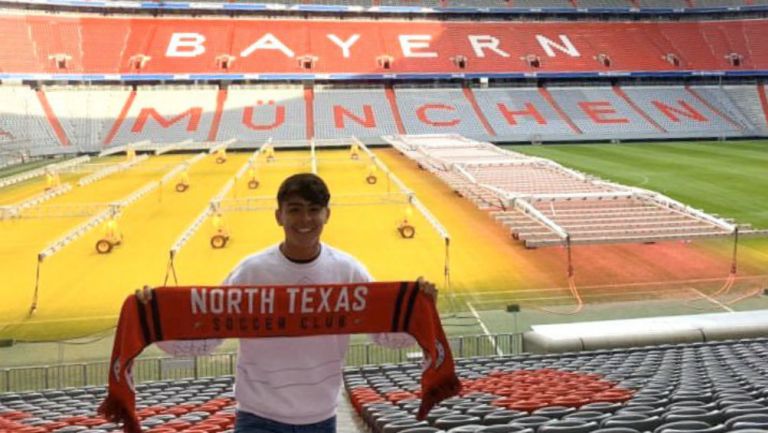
column 188, row 313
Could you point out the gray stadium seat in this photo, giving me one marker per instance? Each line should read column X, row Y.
column 504, row 416
column 554, row 412
column 616, row 430
column 568, row 426
column 504, row 429
column 633, row 420
column 450, row 421
column 689, row 427
column 748, row 421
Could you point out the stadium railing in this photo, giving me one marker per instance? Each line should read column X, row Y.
column 94, row 373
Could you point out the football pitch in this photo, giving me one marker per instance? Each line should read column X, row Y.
column 725, row 178
column 81, row 291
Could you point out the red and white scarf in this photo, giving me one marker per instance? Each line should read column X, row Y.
column 190, row 313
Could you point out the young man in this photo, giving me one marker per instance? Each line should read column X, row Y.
column 293, row 384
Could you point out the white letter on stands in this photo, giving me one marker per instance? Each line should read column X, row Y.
column 409, row 42
column 185, row 45
column 267, row 42
column 345, row 45
column 567, row 46
column 481, row 42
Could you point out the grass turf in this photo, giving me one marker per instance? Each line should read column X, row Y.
column 724, row 178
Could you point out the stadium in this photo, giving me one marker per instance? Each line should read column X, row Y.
column 583, row 180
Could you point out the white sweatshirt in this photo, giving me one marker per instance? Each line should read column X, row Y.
column 293, row 380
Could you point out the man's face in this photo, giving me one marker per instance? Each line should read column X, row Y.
column 302, row 221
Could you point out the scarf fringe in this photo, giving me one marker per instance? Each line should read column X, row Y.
column 115, row 411
column 436, row 394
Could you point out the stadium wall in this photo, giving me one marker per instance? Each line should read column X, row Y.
column 119, row 48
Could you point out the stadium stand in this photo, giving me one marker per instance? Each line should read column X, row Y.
column 521, row 113
column 711, row 387
column 114, row 115
column 680, row 112
column 542, row 3
column 704, row 387
column 87, row 123
column 352, row 112
column 747, row 99
column 520, row 4
column 598, row 112
column 662, row 3
column 22, row 117
column 720, row 101
column 255, row 113
column 604, row 3
column 426, row 111
column 717, row 3
column 168, row 114
column 165, row 46
column 423, row 3
column 479, row 3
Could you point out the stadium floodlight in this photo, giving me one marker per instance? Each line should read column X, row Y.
column 16, row 209
column 214, row 208
column 407, row 232
column 88, row 225
column 110, row 169
column 55, row 168
column 161, row 149
column 313, row 155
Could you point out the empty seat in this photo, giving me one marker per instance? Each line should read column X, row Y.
column 633, row 420
column 759, row 421
column 402, row 424
column 689, row 427
column 568, row 426
column 421, row 430
column 450, row 421
column 616, row 430
column 504, row 416
column 505, row 429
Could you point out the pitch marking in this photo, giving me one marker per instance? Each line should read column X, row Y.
column 484, row 328
column 711, row 299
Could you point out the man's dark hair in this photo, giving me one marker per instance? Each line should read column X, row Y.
column 308, row 186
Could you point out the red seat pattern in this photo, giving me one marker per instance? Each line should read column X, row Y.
column 108, row 45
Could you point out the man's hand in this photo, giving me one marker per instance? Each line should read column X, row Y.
column 144, row 294
column 427, row 288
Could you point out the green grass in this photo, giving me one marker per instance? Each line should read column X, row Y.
column 725, row 178
column 20, row 168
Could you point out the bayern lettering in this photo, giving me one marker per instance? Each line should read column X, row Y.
column 190, row 45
